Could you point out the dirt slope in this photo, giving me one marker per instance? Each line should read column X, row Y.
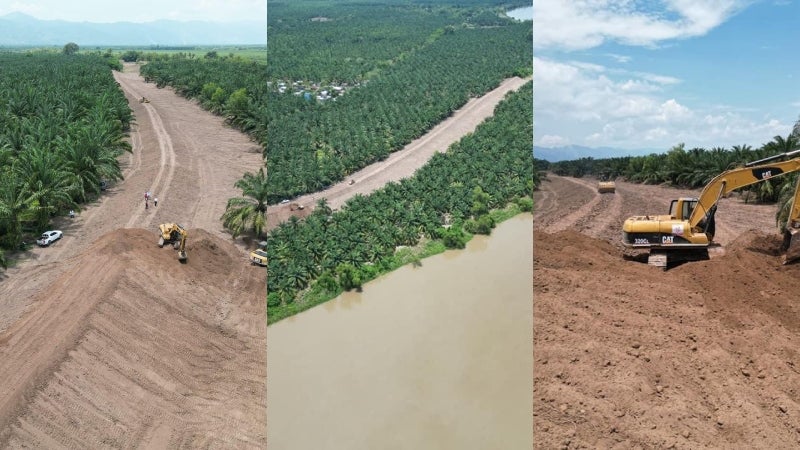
column 629, row 356
column 129, row 346
column 106, row 341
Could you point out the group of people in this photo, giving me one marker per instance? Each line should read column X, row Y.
column 147, row 197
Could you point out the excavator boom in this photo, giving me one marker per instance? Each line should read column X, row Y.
column 730, row 180
column 688, row 230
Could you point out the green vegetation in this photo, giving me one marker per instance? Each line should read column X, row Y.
column 315, row 145
column 343, row 87
column 694, row 169
column 235, row 88
column 63, row 121
column 70, row 48
column 248, row 213
column 486, row 174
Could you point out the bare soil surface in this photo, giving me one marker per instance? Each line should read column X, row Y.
column 106, row 340
column 403, row 163
column 626, row 355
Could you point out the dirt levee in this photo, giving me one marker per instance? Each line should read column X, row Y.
column 626, row 355
column 129, row 347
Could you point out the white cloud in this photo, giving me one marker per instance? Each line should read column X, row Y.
column 549, row 140
column 582, row 24
column 620, row 58
column 588, row 105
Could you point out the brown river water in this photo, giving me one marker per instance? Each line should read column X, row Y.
column 433, row 357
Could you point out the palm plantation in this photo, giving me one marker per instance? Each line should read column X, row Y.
column 62, row 127
column 248, row 213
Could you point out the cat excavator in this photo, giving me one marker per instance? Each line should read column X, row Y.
column 686, row 233
column 172, row 233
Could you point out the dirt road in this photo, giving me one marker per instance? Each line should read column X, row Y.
column 403, row 163
column 105, row 339
column 628, row 356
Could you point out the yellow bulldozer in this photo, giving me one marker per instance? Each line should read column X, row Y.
column 172, row 233
column 606, row 187
column 686, row 233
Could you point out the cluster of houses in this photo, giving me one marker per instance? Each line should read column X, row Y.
column 313, row 90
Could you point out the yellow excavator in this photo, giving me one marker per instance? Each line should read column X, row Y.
column 686, row 233
column 172, row 233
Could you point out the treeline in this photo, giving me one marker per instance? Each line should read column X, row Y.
column 346, row 41
column 313, row 146
column 232, row 87
column 63, row 122
column 692, row 168
column 315, row 259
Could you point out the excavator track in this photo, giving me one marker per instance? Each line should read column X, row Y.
column 670, row 258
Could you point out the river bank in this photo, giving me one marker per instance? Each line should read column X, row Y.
column 440, row 353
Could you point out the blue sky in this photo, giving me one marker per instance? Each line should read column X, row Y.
column 639, row 74
column 139, row 10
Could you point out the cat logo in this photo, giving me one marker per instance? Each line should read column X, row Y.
column 667, row 239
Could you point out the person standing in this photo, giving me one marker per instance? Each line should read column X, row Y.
column 155, row 201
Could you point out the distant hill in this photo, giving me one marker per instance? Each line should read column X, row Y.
column 570, row 152
column 17, row 29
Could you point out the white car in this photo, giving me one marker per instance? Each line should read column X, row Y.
column 48, row 237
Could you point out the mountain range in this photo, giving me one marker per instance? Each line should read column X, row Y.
column 22, row 30
column 571, row 152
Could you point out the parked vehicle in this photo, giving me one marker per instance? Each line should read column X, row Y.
column 48, row 237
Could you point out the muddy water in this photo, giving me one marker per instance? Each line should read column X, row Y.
column 438, row 356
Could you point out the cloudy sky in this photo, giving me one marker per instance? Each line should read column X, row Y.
column 650, row 74
column 139, row 10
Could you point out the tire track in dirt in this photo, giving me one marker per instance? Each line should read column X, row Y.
column 569, row 220
column 545, row 201
column 167, row 161
column 599, row 222
column 167, row 152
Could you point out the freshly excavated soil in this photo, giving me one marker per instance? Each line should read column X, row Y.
column 630, row 356
column 106, row 340
column 129, row 347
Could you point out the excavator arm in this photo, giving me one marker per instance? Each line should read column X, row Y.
column 182, row 248
column 751, row 173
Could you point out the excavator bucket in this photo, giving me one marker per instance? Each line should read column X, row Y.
column 182, row 256
column 791, row 245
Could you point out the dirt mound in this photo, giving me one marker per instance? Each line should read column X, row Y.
column 703, row 355
column 128, row 346
column 757, row 241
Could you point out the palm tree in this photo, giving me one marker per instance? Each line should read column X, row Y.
column 44, row 176
column 15, row 203
column 248, row 213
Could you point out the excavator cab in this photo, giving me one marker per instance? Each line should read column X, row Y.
column 173, row 233
column 681, row 209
